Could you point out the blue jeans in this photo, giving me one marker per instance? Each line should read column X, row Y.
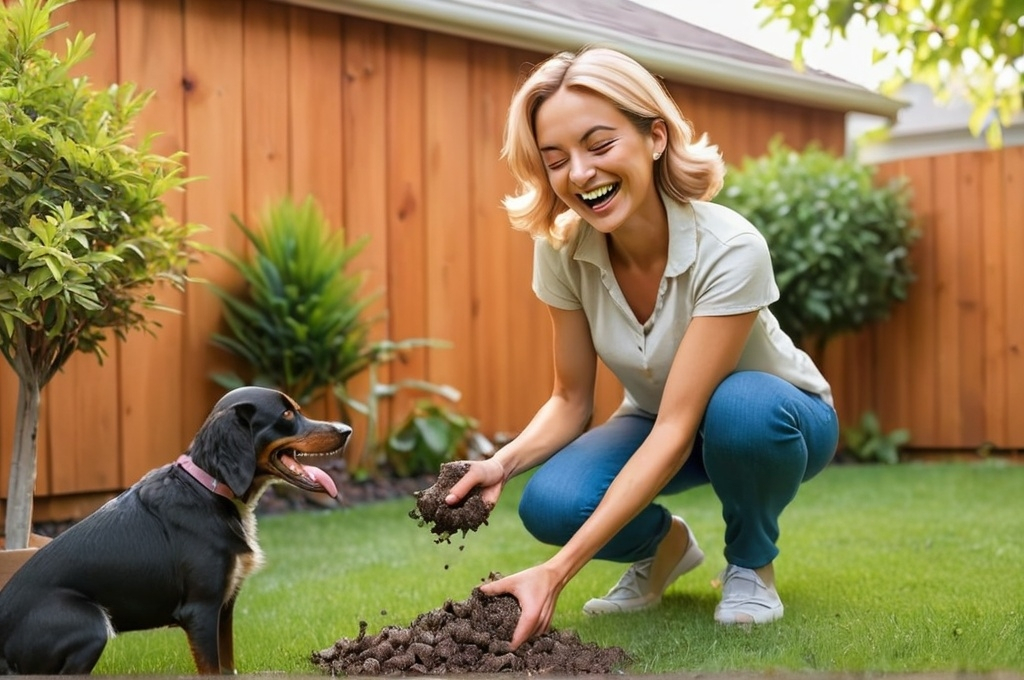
column 760, row 438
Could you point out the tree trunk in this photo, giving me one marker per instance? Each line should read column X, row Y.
column 22, row 484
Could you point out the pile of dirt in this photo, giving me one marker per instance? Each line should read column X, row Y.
column 471, row 636
column 446, row 520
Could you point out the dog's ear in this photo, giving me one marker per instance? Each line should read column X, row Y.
column 238, row 466
column 224, row 447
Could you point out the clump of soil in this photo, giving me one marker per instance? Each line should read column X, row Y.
column 471, row 636
column 446, row 520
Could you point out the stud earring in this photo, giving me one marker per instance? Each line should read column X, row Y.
column 657, row 155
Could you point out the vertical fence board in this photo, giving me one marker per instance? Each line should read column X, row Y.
column 150, row 44
column 265, row 113
column 214, row 124
column 922, row 300
column 314, row 96
column 893, row 353
column 994, row 228
column 364, row 143
column 491, row 88
column 1013, row 207
column 407, row 248
column 969, row 303
column 448, row 234
column 947, row 294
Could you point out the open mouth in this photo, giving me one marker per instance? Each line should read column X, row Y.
column 599, row 196
column 284, row 464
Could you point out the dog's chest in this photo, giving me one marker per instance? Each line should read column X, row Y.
column 246, row 563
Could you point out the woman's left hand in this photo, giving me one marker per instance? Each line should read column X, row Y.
column 537, row 590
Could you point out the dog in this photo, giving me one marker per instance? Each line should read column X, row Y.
column 172, row 550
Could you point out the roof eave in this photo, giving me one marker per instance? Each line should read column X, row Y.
column 516, row 27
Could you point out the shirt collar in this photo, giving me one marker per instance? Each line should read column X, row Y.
column 682, row 240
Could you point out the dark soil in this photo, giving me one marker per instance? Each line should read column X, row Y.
column 471, row 636
column 445, row 520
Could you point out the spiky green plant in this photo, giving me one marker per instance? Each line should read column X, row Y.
column 299, row 325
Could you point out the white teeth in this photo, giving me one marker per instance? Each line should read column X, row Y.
column 597, row 193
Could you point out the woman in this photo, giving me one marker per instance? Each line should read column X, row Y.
column 672, row 293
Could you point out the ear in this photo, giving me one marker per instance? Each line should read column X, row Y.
column 659, row 136
column 224, row 447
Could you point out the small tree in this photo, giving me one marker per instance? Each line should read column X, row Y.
column 840, row 243
column 84, row 234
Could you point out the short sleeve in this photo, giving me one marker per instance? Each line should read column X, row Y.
column 738, row 279
column 552, row 281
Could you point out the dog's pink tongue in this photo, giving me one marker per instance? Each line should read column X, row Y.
column 316, row 474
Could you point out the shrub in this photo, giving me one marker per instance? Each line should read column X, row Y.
column 839, row 241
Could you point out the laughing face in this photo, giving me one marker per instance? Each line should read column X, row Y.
column 598, row 162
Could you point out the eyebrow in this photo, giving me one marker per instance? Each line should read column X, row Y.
column 583, row 138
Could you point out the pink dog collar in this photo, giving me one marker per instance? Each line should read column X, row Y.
column 204, row 477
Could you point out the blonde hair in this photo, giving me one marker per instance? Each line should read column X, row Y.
column 688, row 170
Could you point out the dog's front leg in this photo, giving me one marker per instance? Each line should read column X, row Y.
column 226, row 637
column 201, row 623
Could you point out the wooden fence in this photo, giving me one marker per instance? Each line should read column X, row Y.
column 396, row 132
column 949, row 364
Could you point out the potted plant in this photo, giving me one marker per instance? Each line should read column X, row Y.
column 84, row 234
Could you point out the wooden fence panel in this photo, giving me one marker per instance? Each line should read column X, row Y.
column 947, row 365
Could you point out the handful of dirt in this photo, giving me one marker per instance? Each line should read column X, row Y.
column 446, row 520
column 471, row 636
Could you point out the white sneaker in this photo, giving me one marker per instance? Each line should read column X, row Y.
column 632, row 592
column 746, row 598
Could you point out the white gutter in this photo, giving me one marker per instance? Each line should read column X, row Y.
column 513, row 26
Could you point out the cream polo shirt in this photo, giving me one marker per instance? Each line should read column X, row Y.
column 718, row 265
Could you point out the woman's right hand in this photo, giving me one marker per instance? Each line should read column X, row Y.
column 488, row 474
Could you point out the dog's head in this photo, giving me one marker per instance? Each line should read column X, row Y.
column 254, row 436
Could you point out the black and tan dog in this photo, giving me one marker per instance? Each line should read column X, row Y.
column 173, row 550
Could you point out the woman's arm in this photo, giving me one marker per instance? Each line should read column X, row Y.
column 562, row 418
column 710, row 350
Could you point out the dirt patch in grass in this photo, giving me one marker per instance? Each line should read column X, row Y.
column 471, row 636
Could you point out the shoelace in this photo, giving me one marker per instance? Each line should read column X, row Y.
column 630, row 581
column 735, row 574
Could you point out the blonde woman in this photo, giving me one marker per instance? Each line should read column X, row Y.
column 638, row 269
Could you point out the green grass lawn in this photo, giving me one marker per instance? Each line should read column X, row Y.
column 915, row 567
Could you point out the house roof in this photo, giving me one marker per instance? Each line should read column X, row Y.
column 674, row 49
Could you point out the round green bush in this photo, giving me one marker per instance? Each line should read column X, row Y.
column 839, row 239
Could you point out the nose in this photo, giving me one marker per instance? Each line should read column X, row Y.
column 580, row 170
